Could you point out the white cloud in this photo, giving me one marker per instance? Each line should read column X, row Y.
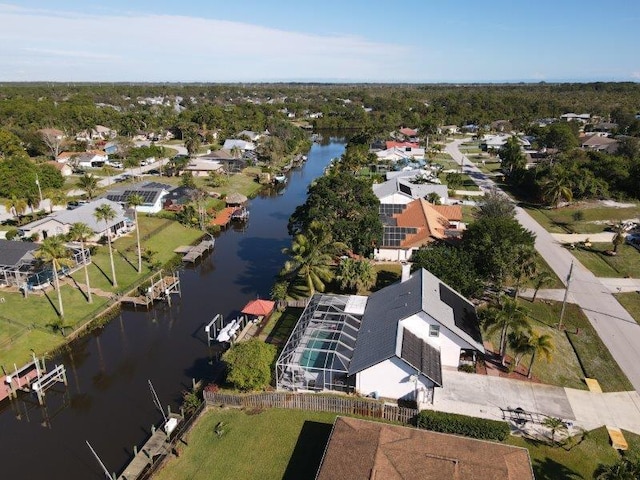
column 53, row 45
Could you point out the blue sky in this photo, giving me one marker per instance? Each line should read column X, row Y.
column 420, row 41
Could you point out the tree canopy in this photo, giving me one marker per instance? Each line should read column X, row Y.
column 347, row 206
column 249, row 364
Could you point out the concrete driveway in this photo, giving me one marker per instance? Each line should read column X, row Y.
column 486, row 396
column 617, row 329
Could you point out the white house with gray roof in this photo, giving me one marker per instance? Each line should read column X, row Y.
column 152, row 194
column 400, row 189
column 60, row 222
column 392, row 344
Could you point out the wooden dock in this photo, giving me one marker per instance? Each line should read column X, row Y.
column 161, row 288
column 223, row 218
column 194, row 252
column 157, row 444
column 32, row 377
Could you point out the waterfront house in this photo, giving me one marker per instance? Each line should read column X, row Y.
column 242, row 145
column 152, row 193
column 365, row 450
column 407, row 227
column 60, row 222
column 401, row 188
column 392, row 344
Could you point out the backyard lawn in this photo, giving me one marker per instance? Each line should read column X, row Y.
column 289, row 444
column 625, row 264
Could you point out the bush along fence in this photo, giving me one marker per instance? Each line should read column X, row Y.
column 462, row 425
column 316, row 403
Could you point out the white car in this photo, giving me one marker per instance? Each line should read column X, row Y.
column 115, row 164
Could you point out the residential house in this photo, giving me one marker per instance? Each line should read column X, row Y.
column 392, row 344
column 501, row 126
column 575, row 117
column 91, row 159
column 407, row 227
column 396, row 154
column 409, row 134
column 16, row 261
column 177, row 198
column 400, row 190
column 448, row 130
column 200, row 167
column 64, row 169
column 99, row 133
column 242, row 145
column 152, row 193
column 229, row 162
column 599, row 143
column 494, row 142
column 66, row 157
column 60, row 222
column 252, row 136
column 366, row 450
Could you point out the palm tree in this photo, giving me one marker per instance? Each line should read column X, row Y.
column 618, row 236
column 106, row 213
column 312, row 256
column 134, row 201
column 108, row 171
column 80, row 232
column 56, row 197
column 89, row 184
column 554, row 424
column 506, row 317
column 17, row 206
column 542, row 344
column 525, row 265
column 355, row 275
column 54, row 251
column 557, row 187
column 542, row 279
column 623, row 469
column 520, row 344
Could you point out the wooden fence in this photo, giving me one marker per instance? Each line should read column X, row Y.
column 316, row 403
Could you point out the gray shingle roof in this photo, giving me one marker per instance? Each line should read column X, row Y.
column 422, row 291
column 403, row 185
column 12, row 252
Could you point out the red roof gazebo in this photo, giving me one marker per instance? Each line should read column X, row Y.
column 259, row 308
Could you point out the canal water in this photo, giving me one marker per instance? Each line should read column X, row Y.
column 108, row 401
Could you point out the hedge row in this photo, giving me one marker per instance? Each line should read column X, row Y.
column 463, row 425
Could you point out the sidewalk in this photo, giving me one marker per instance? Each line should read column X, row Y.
column 484, row 396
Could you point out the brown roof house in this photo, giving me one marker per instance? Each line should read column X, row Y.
column 410, row 226
column 365, row 450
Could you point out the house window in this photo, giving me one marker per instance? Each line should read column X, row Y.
column 434, row 330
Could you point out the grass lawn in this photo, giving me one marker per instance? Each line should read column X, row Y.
column 571, row 349
column 595, row 217
column 625, row 264
column 631, row 302
column 289, row 444
column 542, row 265
column 243, row 183
column 553, row 463
column 272, row 444
column 35, row 314
column 280, row 326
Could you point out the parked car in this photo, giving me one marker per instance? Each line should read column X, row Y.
column 116, row 164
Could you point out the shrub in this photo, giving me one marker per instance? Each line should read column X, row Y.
column 249, row 364
column 463, row 425
column 11, row 233
column 467, row 368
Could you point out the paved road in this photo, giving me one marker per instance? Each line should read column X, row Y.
column 617, row 329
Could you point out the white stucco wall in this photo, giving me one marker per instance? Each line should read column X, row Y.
column 396, row 199
column 390, row 379
column 392, row 254
column 449, row 343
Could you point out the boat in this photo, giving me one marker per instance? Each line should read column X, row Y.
column 280, row 178
column 225, row 334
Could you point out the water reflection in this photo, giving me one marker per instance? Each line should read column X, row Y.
column 107, row 401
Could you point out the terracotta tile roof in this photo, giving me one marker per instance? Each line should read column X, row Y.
column 64, row 155
column 365, row 450
column 430, row 223
column 391, row 144
column 409, row 132
column 453, row 213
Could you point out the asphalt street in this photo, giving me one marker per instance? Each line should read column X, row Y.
column 617, row 329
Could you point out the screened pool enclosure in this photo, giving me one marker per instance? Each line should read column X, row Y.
column 319, row 350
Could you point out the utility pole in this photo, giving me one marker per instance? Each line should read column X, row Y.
column 39, row 191
column 566, row 294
